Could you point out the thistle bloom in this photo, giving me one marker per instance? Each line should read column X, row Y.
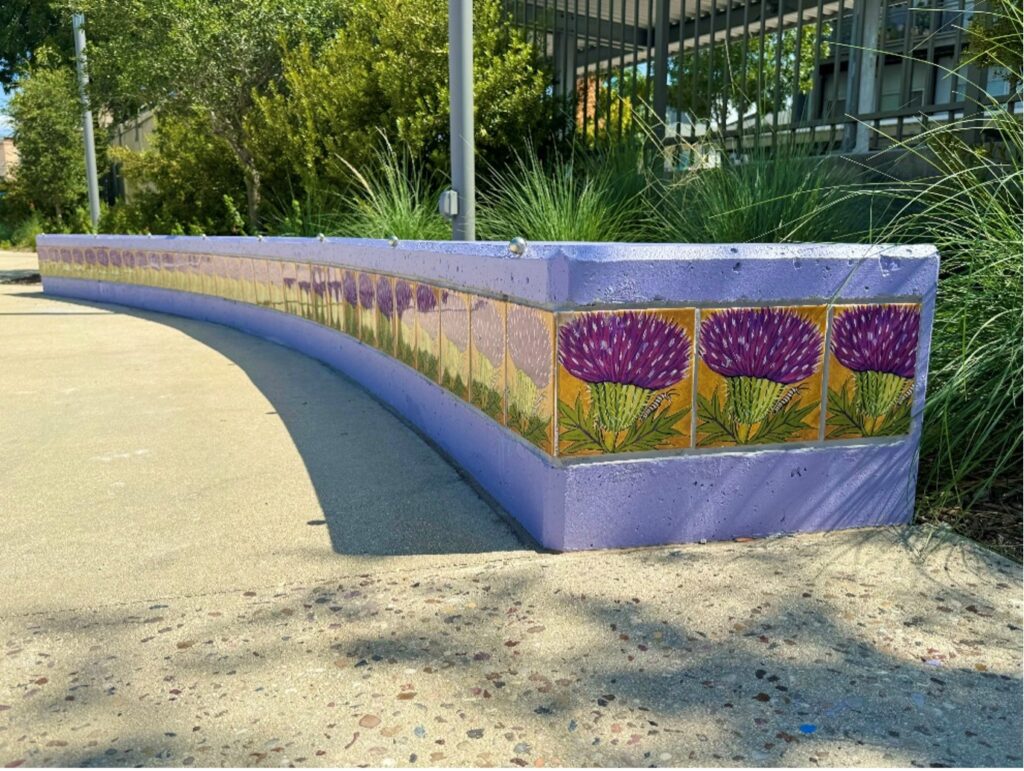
column 488, row 330
column 623, row 358
column 426, row 301
column 879, row 344
column 403, row 297
column 759, row 351
column 529, row 344
column 385, row 297
column 348, row 284
column 365, row 291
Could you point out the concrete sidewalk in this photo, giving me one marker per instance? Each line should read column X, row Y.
column 217, row 552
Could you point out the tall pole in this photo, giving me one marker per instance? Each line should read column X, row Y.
column 460, row 101
column 90, row 147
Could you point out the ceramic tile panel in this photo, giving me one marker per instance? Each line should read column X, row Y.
column 530, row 374
column 427, row 320
column 872, row 364
column 303, row 290
column 454, row 310
column 759, row 379
column 487, row 356
column 405, row 322
column 384, row 304
column 350, row 302
column 332, row 293
column 320, row 296
column 625, row 381
column 367, row 289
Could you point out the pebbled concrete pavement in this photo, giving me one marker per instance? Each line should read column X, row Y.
column 214, row 551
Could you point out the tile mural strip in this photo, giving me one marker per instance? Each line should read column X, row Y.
column 628, row 381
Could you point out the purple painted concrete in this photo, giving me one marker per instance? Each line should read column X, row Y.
column 584, row 504
column 564, row 275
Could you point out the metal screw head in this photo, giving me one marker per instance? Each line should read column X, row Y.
column 321, row 237
column 393, row 241
column 259, row 237
column 517, row 246
column 203, row 235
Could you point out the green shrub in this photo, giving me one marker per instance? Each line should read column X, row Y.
column 574, row 198
column 785, row 195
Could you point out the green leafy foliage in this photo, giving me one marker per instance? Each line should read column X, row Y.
column 188, row 180
column 716, row 425
column 846, row 421
column 781, row 195
column 713, row 82
column 578, row 428
column 47, row 124
column 386, row 70
column 574, row 198
column 487, row 399
column 26, row 26
column 427, row 364
column 532, row 427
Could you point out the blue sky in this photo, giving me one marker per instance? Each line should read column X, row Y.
column 5, row 128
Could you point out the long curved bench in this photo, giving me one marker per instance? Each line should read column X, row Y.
column 606, row 395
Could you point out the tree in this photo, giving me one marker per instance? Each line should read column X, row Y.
column 48, row 133
column 386, row 71
column 180, row 56
column 186, row 181
column 25, row 26
column 732, row 79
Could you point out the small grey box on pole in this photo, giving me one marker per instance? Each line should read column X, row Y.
column 77, row 20
column 460, row 103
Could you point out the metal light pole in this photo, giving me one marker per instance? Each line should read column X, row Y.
column 90, row 148
column 460, row 101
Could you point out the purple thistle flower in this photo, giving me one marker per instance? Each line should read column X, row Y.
column 773, row 344
column 877, row 338
column 334, row 287
column 289, row 282
column 630, row 348
column 101, row 257
column 759, row 351
column 623, row 358
column 455, row 319
column 529, row 344
column 304, row 287
column 403, row 296
column 348, row 284
column 385, row 297
column 426, row 300
column 365, row 291
column 879, row 344
column 115, row 258
column 488, row 329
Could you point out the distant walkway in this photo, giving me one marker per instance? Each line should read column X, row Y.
column 214, row 551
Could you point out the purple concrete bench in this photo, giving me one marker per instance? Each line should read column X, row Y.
column 605, row 395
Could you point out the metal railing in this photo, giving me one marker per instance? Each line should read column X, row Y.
column 852, row 75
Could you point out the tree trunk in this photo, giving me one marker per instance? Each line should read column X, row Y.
column 234, row 136
column 252, row 196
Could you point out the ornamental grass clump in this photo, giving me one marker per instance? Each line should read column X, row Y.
column 624, row 358
column 759, row 352
column 878, row 343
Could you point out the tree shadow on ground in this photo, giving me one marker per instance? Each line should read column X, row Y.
column 382, row 487
column 655, row 659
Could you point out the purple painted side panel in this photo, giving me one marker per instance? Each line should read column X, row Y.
column 516, row 475
column 722, row 496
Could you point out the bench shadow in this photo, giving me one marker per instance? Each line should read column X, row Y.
column 383, row 488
